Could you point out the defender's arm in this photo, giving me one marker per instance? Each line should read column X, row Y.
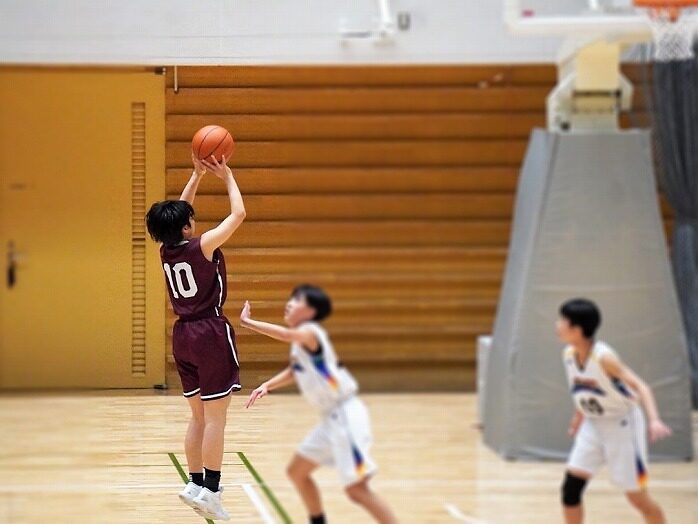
column 616, row 369
column 280, row 380
column 304, row 337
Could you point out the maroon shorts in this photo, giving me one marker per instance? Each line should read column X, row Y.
column 206, row 357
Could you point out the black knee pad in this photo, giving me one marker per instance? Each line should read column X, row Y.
column 572, row 489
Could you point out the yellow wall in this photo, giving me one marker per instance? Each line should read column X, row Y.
column 68, row 206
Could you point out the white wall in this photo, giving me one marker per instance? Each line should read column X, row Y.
column 256, row 31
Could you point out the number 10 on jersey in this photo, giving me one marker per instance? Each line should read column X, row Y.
column 177, row 276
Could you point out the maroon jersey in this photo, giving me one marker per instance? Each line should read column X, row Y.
column 197, row 286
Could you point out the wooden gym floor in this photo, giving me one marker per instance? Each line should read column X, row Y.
column 103, row 458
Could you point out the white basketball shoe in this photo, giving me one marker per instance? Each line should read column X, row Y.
column 189, row 493
column 209, row 505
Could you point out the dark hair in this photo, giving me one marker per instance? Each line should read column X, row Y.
column 316, row 299
column 166, row 219
column 583, row 313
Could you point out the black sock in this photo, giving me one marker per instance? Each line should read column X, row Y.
column 197, row 478
column 318, row 519
column 212, row 479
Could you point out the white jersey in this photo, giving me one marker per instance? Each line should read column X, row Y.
column 323, row 381
column 595, row 393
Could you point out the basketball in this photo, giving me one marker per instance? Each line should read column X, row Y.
column 212, row 141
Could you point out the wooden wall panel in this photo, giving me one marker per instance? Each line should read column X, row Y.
column 392, row 187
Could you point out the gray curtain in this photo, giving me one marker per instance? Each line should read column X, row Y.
column 675, row 112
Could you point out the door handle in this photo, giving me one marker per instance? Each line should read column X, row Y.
column 11, row 265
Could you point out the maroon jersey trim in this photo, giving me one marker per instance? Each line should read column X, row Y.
column 221, row 395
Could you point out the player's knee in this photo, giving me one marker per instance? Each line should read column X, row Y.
column 198, row 419
column 215, row 420
column 294, row 473
column 197, row 426
column 644, row 504
column 357, row 493
column 572, row 489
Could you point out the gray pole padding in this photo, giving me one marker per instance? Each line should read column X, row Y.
column 675, row 126
column 586, row 224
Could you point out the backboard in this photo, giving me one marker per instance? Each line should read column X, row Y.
column 574, row 17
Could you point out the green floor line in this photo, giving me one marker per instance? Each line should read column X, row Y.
column 267, row 491
column 183, row 475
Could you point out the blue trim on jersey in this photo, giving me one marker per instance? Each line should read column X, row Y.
column 321, row 367
column 358, row 460
column 620, row 386
column 584, row 387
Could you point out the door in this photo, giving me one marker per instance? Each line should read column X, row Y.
column 82, row 300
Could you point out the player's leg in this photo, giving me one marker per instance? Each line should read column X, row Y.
column 650, row 510
column 352, row 439
column 215, row 418
column 208, row 502
column 299, row 471
column 315, row 450
column 585, row 460
column 361, row 494
column 572, row 490
column 627, row 462
column 189, row 376
column 192, row 449
column 219, row 376
column 194, row 440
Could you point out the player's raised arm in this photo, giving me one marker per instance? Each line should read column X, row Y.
column 189, row 191
column 212, row 240
column 616, row 369
column 304, row 337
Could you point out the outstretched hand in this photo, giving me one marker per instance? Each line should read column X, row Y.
column 220, row 169
column 246, row 312
column 261, row 392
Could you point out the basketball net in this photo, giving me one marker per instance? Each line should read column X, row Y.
column 673, row 31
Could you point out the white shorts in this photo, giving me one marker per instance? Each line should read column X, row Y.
column 343, row 440
column 619, row 442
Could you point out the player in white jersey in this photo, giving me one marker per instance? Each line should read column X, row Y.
column 608, row 424
column 343, row 437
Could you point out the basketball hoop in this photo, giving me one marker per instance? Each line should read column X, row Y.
column 673, row 24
